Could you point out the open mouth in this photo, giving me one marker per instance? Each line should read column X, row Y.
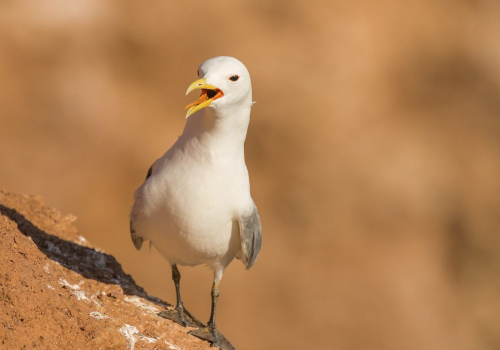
column 206, row 98
column 212, row 93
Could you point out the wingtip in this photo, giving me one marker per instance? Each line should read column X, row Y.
column 137, row 242
column 136, row 239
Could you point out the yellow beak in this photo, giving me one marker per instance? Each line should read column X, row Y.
column 209, row 93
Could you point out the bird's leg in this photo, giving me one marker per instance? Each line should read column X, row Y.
column 179, row 314
column 210, row 332
column 215, row 296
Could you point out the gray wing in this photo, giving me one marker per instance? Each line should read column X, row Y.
column 251, row 237
column 136, row 238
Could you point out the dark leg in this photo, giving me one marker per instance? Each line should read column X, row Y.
column 215, row 296
column 210, row 332
column 179, row 314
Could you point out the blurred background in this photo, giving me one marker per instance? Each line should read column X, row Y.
column 373, row 152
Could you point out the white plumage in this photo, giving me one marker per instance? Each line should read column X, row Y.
column 195, row 205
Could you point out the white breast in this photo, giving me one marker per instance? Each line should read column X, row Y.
column 188, row 207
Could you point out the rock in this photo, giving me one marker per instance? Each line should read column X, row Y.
column 57, row 291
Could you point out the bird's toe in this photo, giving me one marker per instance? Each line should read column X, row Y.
column 182, row 317
column 216, row 338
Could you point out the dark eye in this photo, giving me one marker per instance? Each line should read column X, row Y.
column 234, row 78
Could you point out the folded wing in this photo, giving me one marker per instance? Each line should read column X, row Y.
column 251, row 237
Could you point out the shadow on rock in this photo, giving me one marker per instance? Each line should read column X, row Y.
column 88, row 262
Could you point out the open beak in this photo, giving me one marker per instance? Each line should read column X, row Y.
column 209, row 93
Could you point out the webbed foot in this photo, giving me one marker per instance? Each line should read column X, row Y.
column 216, row 338
column 181, row 316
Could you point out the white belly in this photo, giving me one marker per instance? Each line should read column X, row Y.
column 212, row 244
column 191, row 216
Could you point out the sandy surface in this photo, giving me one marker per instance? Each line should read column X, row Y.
column 58, row 292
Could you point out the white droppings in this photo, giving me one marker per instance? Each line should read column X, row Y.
column 148, row 339
column 141, row 305
column 50, row 287
column 80, row 295
column 75, row 288
column 130, row 333
column 172, row 346
column 98, row 315
column 81, row 240
column 46, row 268
column 67, row 284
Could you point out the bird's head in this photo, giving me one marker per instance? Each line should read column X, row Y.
column 224, row 82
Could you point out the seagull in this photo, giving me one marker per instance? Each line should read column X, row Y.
column 195, row 205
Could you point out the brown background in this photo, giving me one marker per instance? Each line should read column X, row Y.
column 373, row 151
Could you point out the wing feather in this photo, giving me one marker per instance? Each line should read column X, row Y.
column 251, row 237
column 138, row 240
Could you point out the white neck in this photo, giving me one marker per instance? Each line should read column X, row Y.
column 218, row 132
